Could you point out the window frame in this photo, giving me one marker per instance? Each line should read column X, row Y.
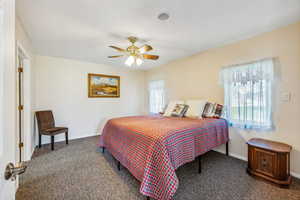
column 266, row 95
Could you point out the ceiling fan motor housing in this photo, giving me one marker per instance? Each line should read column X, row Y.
column 133, row 50
column 132, row 39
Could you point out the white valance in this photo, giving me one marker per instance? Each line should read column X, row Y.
column 243, row 73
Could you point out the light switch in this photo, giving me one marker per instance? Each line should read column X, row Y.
column 285, row 97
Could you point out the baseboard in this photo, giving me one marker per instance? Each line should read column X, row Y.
column 233, row 155
column 239, row 157
column 28, row 156
column 296, row 175
column 73, row 138
column 32, row 151
column 220, row 151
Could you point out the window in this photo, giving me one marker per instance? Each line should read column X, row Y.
column 248, row 94
column 156, row 96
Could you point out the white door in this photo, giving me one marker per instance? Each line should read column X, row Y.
column 8, row 104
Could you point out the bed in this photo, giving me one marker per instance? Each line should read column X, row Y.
column 153, row 147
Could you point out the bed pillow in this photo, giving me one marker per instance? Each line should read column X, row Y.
column 196, row 108
column 212, row 110
column 170, row 107
column 179, row 110
column 163, row 110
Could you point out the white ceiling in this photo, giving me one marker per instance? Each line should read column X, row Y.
column 83, row 29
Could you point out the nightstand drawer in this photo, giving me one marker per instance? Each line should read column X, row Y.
column 266, row 162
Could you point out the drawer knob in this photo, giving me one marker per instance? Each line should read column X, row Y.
column 264, row 162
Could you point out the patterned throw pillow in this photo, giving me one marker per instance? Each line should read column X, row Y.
column 212, row 110
column 218, row 110
column 170, row 107
column 179, row 110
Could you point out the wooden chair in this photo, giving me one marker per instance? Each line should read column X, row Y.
column 46, row 126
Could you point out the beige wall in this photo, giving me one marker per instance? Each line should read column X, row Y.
column 61, row 85
column 197, row 77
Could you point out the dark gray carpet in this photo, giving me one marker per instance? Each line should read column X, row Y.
column 79, row 171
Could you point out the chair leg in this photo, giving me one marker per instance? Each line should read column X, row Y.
column 52, row 142
column 40, row 140
column 67, row 138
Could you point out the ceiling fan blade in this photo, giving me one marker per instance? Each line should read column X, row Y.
column 115, row 56
column 151, row 57
column 145, row 48
column 118, row 48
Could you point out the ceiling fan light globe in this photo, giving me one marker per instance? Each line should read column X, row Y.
column 129, row 61
column 139, row 61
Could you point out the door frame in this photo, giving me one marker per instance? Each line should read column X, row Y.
column 28, row 116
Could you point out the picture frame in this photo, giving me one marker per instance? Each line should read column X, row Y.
column 103, row 86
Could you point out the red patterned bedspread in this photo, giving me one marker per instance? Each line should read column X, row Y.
column 152, row 147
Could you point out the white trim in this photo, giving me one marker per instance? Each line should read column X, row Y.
column 232, row 155
column 220, row 151
column 31, row 154
column 70, row 138
column 24, row 51
column 27, row 121
column 296, row 175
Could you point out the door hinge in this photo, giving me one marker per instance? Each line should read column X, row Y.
column 21, row 145
column 21, row 107
column 20, row 69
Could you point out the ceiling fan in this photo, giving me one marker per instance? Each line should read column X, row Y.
column 134, row 53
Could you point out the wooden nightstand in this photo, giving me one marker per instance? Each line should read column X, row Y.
column 269, row 160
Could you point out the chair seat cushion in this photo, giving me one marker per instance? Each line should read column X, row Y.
column 54, row 130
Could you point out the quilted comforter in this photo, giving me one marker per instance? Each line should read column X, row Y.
column 153, row 147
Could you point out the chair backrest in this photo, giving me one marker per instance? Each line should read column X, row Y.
column 45, row 119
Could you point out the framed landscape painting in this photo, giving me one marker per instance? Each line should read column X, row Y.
column 101, row 85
